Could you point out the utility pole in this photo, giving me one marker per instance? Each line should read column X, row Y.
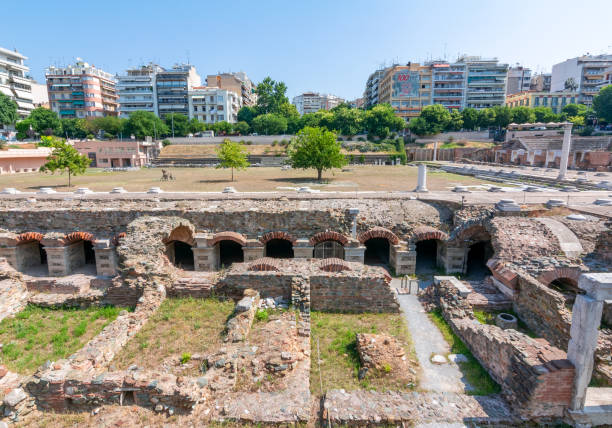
column 155, row 130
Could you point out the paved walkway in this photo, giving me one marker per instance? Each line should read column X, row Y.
column 427, row 341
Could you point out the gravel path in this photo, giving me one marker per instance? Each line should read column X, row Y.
column 427, row 341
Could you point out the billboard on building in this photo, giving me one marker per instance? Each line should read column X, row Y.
column 405, row 84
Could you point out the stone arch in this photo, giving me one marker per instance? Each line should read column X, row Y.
column 228, row 236
column 267, row 237
column 379, row 232
column 181, row 233
column 73, row 237
column 423, row 233
column 27, row 237
column 334, row 265
column 477, row 241
column 328, row 235
column 571, row 273
column 265, row 264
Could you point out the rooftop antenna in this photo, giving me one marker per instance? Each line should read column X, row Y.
column 188, row 59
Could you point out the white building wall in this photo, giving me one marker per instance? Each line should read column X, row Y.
column 563, row 71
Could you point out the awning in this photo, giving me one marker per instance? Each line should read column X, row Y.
column 27, row 106
column 6, row 91
column 23, row 94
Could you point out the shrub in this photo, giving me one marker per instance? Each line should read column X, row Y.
column 274, row 143
column 450, row 139
column 387, row 368
column 248, row 143
column 361, row 139
column 262, row 315
column 166, row 142
column 185, row 357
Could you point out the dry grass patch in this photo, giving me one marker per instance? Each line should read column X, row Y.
column 339, row 364
column 36, row 334
column 370, row 177
column 180, row 327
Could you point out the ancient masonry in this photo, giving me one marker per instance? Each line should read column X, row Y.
column 315, row 254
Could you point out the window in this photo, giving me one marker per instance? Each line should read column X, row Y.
column 220, row 108
column 544, row 101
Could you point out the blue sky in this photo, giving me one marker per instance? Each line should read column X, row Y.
column 326, row 46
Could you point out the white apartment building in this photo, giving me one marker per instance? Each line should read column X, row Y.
column 485, row 82
column 14, row 81
column 137, row 90
column 312, row 102
column 370, row 95
column 519, row 79
column 212, row 105
column 587, row 72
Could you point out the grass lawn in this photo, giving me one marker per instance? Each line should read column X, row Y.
column 36, row 334
column 180, row 326
column 353, row 178
column 339, row 365
column 475, row 374
column 489, row 318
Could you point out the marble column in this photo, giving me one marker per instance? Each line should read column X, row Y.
column 565, row 150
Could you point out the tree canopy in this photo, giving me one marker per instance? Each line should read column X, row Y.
column 232, row 155
column 270, row 124
column 64, row 158
column 271, row 96
column 380, row 120
column 143, row 124
column 45, row 121
column 8, row 110
column 316, row 147
column 602, row 104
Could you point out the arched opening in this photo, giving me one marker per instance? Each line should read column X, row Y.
column 568, row 288
column 230, row 252
column 90, row 254
column 279, row 249
column 180, row 254
column 476, row 266
column 426, row 256
column 328, row 249
column 377, row 251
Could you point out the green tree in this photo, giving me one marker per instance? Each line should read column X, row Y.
column 242, row 128
column 24, row 129
column 65, row 158
column 522, row 114
column 503, row 116
column 271, row 96
column 486, row 117
column 8, row 110
column 247, row 114
column 418, row 126
column 232, row 155
column 347, row 121
column 544, row 114
column 177, row 124
column 316, row 148
column 270, row 124
column 74, row 128
column 602, row 104
column 222, row 128
column 456, row 121
column 574, row 110
column 45, row 121
column 143, row 124
column 196, row 126
column 470, row 118
column 381, row 119
column 310, row 119
column 437, row 118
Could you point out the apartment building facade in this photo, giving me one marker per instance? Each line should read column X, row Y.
column 448, row 84
column 587, row 72
column 81, row 90
column 371, row 95
column 486, row 81
column 540, row 82
column 173, row 86
column 212, row 105
column 137, row 90
column 519, row 79
column 238, row 82
column 312, row 102
column 14, row 81
column 555, row 100
column 407, row 88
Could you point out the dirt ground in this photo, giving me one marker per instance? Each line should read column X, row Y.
column 353, row 178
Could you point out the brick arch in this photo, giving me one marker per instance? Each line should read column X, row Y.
column 117, row 237
column 181, row 233
column 549, row 276
column 26, row 237
column 267, row 237
column 423, row 233
column 379, row 232
column 475, row 232
column 334, row 265
column 77, row 236
column 228, row 236
column 265, row 264
column 328, row 236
